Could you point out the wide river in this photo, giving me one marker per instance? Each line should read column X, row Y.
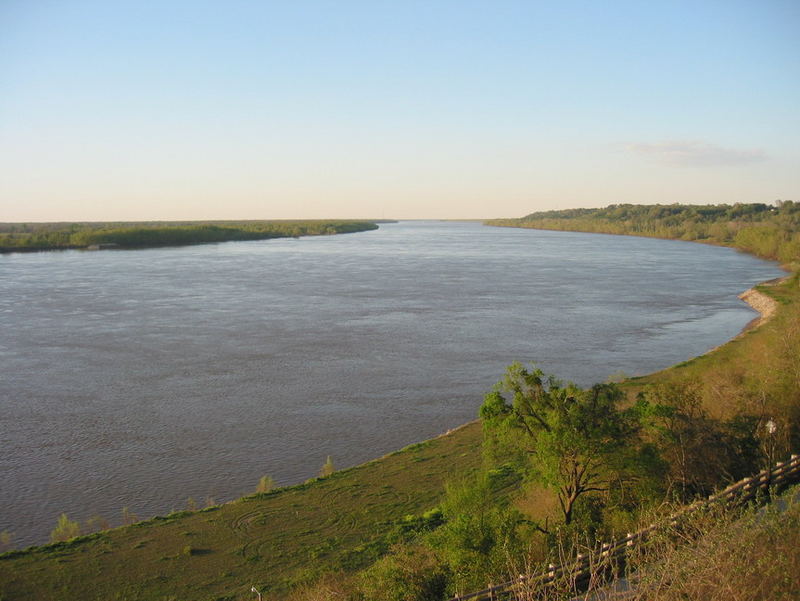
column 141, row 378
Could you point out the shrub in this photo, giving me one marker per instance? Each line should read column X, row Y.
column 65, row 529
column 95, row 523
column 327, row 468
column 265, row 484
column 409, row 573
column 748, row 558
column 479, row 533
column 128, row 517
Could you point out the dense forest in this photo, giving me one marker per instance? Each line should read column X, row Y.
column 51, row 236
column 771, row 232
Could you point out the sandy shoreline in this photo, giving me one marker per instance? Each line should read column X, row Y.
column 765, row 305
column 760, row 302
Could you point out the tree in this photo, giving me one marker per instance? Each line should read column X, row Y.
column 674, row 416
column 572, row 440
column 701, row 452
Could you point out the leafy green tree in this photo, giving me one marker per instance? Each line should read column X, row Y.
column 674, row 417
column 573, row 441
column 701, row 452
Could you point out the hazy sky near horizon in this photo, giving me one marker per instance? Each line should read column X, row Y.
column 440, row 109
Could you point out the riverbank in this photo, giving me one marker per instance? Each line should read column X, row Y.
column 23, row 237
column 274, row 540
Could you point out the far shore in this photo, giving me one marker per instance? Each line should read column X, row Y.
column 21, row 237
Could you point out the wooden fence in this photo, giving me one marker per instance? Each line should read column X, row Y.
column 581, row 569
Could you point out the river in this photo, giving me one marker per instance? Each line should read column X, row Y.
column 141, row 378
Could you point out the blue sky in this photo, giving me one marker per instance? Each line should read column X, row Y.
column 257, row 110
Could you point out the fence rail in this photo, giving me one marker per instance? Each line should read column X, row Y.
column 777, row 478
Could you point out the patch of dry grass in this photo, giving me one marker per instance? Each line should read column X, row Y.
column 752, row 557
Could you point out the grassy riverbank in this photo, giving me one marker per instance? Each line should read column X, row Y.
column 273, row 540
column 21, row 237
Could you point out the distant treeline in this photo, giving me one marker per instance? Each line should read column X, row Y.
column 771, row 232
column 49, row 236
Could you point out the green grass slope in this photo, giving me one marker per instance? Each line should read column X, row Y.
column 270, row 540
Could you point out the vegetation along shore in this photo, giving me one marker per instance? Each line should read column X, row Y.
column 548, row 470
column 767, row 231
column 22, row 237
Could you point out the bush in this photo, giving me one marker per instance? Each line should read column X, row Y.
column 327, row 468
column 265, row 484
column 479, row 534
column 409, row 573
column 65, row 529
column 754, row 557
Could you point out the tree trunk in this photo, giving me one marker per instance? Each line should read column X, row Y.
column 567, row 506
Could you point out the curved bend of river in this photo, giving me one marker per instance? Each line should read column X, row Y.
column 141, row 378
